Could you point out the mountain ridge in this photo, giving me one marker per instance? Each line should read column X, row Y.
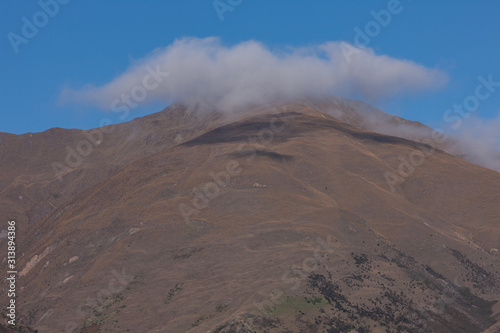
column 269, row 196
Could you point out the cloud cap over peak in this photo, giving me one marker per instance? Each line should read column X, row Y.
column 230, row 77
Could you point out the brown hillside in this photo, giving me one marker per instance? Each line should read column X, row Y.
column 280, row 220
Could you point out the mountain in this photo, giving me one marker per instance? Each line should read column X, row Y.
column 289, row 217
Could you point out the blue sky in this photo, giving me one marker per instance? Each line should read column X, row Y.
column 93, row 42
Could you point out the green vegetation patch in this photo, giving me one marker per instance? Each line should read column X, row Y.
column 293, row 304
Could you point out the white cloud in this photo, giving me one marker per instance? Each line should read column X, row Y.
column 228, row 78
column 479, row 141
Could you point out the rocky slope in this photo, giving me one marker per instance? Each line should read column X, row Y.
column 289, row 218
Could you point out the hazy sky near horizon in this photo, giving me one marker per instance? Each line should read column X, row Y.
column 61, row 64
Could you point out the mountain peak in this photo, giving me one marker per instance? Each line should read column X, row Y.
column 288, row 216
